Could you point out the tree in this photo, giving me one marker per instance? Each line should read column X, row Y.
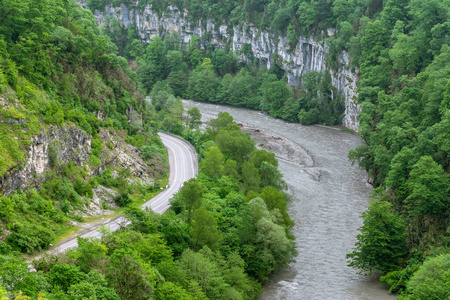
column 212, row 164
column 235, row 144
column 176, row 233
column 223, row 120
column 224, row 63
column 203, row 83
column 307, row 14
column 90, row 254
column 81, row 291
column 431, row 281
column 202, row 269
column 191, row 195
column 170, row 291
column 194, row 54
column 163, row 101
column 204, row 230
column 428, row 187
column 194, row 118
column 65, row 275
column 174, row 60
column 274, row 199
column 242, row 90
column 271, row 176
column 128, row 277
column 382, row 242
column 276, row 94
column 155, row 54
column 251, row 178
column 269, row 240
column 12, row 271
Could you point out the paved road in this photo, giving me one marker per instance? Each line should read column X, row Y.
column 183, row 166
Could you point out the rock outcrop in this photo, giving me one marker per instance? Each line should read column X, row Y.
column 308, row 55
column 118, row 153
column 57, row 145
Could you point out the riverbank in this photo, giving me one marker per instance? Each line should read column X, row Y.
column 326, row 212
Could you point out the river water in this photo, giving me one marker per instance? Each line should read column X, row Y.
column 326, row 212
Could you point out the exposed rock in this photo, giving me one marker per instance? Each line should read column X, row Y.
column 69, row 143
column 308, row 55
column 283, row 148
column 102, row 200
column 118, row 153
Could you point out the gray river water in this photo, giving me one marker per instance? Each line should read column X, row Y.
column 326, row 211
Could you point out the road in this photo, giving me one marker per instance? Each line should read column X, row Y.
column 182, row 165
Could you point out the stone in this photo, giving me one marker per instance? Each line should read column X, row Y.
column 308, row 55
column 72, row 144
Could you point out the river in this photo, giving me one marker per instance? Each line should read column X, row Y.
column 326, row 210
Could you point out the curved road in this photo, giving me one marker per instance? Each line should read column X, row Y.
column 182, row 165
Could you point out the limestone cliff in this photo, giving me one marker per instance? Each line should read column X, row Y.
column 67, row 143
column 57, row 145
column 308, row 55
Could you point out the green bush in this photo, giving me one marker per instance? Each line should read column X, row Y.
column 28, row 238
column 84, row 188
column 107, row 179
column 96, row 147
column 123, row 200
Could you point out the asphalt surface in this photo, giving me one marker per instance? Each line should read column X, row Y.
column 182, row 167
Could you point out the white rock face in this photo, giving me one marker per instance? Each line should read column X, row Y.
column 71, row 144
column 308, row 55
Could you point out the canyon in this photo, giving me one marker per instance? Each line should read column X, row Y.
column 268, row 48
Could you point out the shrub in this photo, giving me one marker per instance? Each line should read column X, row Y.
column 123, row 200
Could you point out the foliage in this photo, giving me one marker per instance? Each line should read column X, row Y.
column 431, row 281
column 57, row 69
column 217, row 76
column 382, row 242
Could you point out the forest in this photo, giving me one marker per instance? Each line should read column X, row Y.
column 228, row 229
column 57, row 68
column 401, row 49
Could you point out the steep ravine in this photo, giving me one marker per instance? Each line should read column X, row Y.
column 308, row 55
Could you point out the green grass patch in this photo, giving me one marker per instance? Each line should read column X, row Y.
column 67, row 233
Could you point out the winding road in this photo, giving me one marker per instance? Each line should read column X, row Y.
column 182, row 165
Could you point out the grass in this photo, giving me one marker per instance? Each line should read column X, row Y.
column 97, row 218
column 347, row 130
column 67, row 233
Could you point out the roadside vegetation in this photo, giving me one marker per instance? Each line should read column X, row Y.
column 226, row 232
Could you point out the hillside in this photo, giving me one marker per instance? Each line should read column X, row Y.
column 70, row 109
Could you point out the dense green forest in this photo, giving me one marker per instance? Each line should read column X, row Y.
column 401, row 48
column 216, row 75
column 228, row 229
column 201, row 72
column 57, row 68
